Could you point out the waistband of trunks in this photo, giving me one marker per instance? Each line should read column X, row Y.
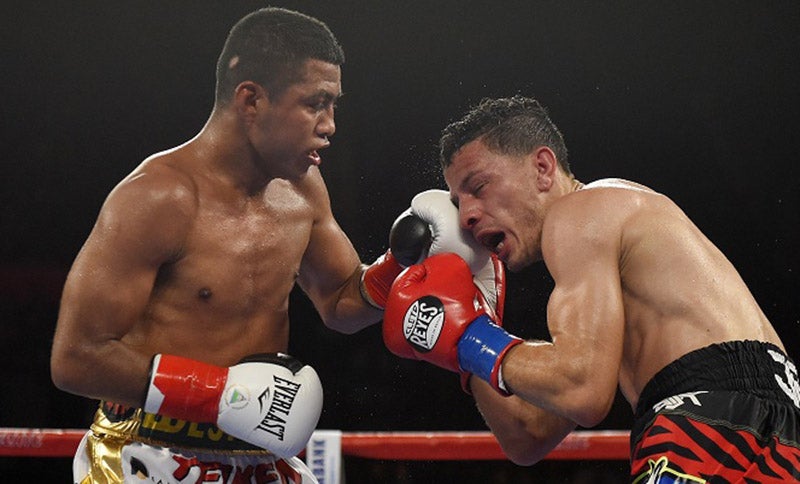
column 745, row 366
column 137, row 425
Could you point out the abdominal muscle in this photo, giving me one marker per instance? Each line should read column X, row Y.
column 220, row 304
column 222, row 344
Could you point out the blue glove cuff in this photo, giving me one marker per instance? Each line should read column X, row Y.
column 481, row 345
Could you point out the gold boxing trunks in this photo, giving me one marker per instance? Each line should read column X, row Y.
column 128, row 445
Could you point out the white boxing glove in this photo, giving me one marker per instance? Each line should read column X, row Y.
column 435, row 207
column 271, row 400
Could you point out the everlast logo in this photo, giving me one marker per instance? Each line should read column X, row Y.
column 285, row 391
column 423, row 322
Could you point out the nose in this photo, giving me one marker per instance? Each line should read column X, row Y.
column 327, row 125
column 468, row 214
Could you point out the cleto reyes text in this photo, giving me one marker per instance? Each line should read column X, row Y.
column 423, row 323
column 274, row 421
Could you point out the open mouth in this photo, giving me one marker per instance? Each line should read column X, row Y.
column 494, row 242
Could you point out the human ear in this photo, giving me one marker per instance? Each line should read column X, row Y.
column 546, row 165
column 246, row 96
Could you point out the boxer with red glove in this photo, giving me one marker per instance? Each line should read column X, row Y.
column 269, row 400
column 433, row 313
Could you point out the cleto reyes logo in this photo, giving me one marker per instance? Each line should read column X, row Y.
column 422, row 323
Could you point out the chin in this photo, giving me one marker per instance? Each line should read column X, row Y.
column 297, row 171
column 511, row 267
column 514, row 264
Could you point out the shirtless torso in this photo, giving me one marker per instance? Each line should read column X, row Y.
column 679, row 292
column 234, row 260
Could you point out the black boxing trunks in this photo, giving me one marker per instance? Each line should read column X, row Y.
column 129, row 445
column 721, row 414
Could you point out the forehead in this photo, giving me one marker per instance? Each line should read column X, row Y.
column 472, row 159
column 317, row 75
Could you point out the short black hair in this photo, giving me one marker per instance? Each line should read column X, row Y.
column 515, row 125
column 270, row 46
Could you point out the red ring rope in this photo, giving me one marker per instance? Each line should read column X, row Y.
column 579, row 445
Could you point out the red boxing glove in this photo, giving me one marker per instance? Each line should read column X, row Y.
column 377, row 279
column 429, row 308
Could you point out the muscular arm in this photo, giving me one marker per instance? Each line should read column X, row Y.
column 525, row 432
column 330, row 273
column 140, row 226
column 576, row 375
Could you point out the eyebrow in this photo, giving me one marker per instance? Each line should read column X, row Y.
column 328, row 96
column 462, row 186
column 467, row 180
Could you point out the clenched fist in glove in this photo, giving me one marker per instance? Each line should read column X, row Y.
column 269, row 400
column 429, row 227
column 435, row 209
column 433, row 314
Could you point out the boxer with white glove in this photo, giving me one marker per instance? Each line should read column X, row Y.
column 433, row 314
column 271, row 400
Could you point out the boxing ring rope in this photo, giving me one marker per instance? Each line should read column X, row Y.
column 579, row 445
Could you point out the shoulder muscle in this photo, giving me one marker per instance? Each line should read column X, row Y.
column 151, row 209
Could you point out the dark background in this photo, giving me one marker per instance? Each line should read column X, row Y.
column 699, row 100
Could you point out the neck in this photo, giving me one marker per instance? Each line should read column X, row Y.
column 229, row 157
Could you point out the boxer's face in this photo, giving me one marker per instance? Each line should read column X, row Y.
column 291, row 128
column 498, row 202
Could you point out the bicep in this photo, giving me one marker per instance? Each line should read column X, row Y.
column 106, row 289
column 588, row 309
column 140, row 227
column 112, row 278
column 585, row 312
column 330, row 271
column 329, row 265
